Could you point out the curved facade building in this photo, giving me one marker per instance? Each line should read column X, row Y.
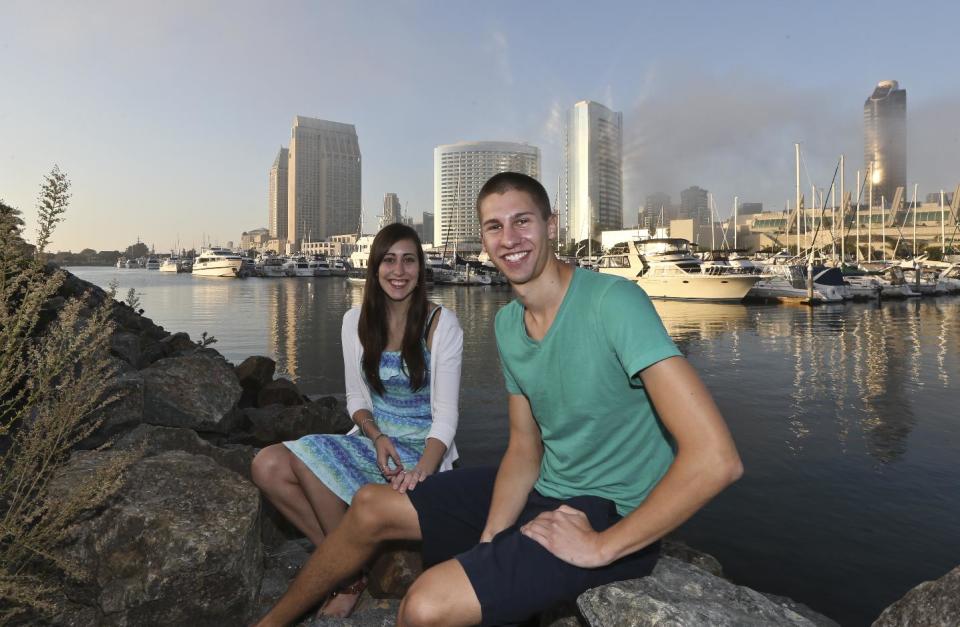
column 885, row 140
column 459, row 171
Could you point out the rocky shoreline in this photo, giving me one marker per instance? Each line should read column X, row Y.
column 187, row 539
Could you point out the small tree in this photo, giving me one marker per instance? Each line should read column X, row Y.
column 53, row 378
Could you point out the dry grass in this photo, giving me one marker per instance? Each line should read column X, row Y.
column 54, row 369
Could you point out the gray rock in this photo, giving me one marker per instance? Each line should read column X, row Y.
column 369, row 612
column 197, row 391
column 177, row 344
column 681, row 594
column 153, row 440
column 280, row 392
column 177, row 545
column 126, row 346
column 121, row 410
column 255, row 372
column 277, row 423
column 395, row 569
column 280, row 565
column 931, row 603
column 685, row 553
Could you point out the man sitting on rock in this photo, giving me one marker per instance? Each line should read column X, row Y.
column 614, row 442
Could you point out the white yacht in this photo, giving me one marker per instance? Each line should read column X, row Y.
column 297, row 265
column 270, row 266
column 218, row 262
column 121, row 262
column 152, row 263
column 666, row 268
column 171, row 264
column 339, row 266
column 320, row 266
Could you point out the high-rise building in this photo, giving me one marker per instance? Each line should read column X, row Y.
column 695, row 205
column 424, row 228
column 459, row 171
column 323, row 193
column 277, row 210
column 392, row 212
column 749, row 208
column 885, row 140
column 657, row 210
column 593, row 171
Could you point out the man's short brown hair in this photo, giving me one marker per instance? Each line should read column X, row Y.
column 506, row 181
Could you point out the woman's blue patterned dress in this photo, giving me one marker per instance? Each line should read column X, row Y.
column 344, row 463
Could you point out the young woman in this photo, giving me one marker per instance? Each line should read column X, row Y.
column 401, row 359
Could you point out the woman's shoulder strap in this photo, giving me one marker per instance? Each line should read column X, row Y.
column 430, row 318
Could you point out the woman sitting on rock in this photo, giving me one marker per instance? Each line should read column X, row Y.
column 401, row 357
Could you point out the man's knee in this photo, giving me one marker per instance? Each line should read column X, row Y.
column 420, row 608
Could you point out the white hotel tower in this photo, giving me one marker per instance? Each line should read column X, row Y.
column 593, row 172
column 459, row 171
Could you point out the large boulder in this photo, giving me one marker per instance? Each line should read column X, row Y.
column 931, row 603
column 197, row 391
column 677, row 593
column 152, row 440
column 177, row 545
column 278, row 423
column 255, row 372
column 280, row 392
column 120, row 410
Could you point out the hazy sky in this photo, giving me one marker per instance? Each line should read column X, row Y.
column 168, row 115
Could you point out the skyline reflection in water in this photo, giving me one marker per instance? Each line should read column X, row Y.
column 844, row 416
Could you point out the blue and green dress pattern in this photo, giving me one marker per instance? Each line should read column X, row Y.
column 344, row 463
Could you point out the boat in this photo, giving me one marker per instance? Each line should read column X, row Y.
column 298, row 265
column 320, row 266
column 338, row 266
column 152, row 263
column 217, row 262
column 666, row 268
column 122, row 262
column 788, row 283
column 171, row 264
column 270, row 266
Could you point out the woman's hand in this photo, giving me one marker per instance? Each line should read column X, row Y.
column 386, row 451
column 403, row 480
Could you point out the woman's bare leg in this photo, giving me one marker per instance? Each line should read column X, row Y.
column 273, row 473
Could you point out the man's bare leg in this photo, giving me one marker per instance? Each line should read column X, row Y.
column 442, row 595
column 378, row 513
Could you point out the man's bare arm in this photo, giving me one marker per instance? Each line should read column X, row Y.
column 706, row 463
column 518, row 470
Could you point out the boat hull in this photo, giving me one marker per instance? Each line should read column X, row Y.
column 221, row 269
column 721, row 288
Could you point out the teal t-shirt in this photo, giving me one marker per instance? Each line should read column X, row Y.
column 600, row 433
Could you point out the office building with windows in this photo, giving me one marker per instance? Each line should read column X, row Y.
column 277, row 196
column 885, row 140
column 459, row 171
column 323, row 190
column 592, row 179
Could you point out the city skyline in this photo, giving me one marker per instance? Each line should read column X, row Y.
column 128, row 100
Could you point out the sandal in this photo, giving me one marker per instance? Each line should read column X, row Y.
column 356, row 588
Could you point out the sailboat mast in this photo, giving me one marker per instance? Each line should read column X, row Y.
column 796, row 149
column 843, row 213
column 914, row 220
column 870, row 213
column 736, row 200
column 943, row 232
column 857, row 256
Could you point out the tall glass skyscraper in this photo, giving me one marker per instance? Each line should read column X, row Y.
column 323, row 190
column 593, row 171
column 885, row 139
column 277, row 210
column 459, row 171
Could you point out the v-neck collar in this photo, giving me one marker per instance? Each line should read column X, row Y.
column 556, row 319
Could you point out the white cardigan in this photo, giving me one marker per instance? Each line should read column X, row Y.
column 445, row 361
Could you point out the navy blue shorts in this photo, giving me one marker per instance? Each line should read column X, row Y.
column 513, row 576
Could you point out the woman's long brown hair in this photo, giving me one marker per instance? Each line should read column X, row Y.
column 373, row 313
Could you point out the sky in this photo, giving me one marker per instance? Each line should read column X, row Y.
column 167, row 116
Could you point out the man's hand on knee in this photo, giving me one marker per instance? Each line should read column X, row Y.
column 567, row 533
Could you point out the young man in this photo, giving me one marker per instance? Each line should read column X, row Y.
column 614, row 442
